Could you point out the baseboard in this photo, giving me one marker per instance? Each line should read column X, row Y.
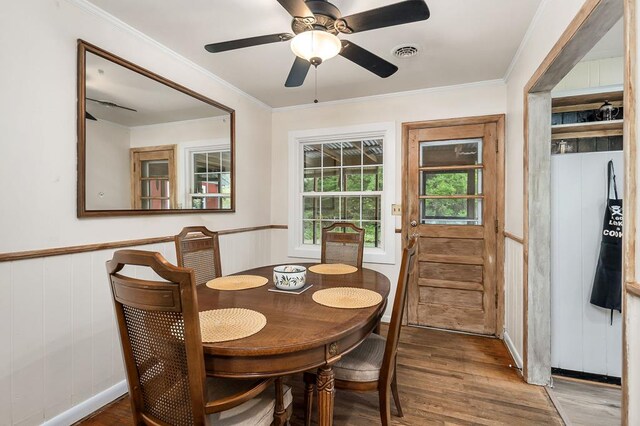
column 512, row 349
column 83, row 409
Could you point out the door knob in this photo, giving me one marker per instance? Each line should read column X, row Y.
column 413, row 223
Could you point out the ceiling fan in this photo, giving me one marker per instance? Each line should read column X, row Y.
column 110, row 104
column 316, row 24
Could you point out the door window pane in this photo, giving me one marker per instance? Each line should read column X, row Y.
column 456, row 211
column 451, row 153
column 455, row 182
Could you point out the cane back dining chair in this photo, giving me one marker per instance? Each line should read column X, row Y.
column 198, row 248
column 372, row 365
column 343, row 247
column 159, row 329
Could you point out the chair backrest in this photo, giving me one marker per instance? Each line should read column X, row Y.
column 160, row 334
column 198, row 248
column 399, row 302
column 343, row 247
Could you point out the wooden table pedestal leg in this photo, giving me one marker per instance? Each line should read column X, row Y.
column 326, row 392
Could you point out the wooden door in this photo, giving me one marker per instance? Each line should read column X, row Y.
column 450, row 203
column 153, row 178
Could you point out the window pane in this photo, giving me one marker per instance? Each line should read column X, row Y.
column 213, row 162
column 311, row 207
column 331, row 180
column 312, row 155
column 372, row 234
column 331, row 155
column 197, row 203
column 370, row 208
column 372, row 178
column 351, row 206
column 225, row 183
column 155, row 168
column 226, row 161
column 451, row 153
column 311, row 232
column 463, row 182
column 312, row 180
column 352, row 179
column 226, row 203
column 351, row 153
column 200, row 184
column 331, row 207
column 465, row 211
column 372, row 152
column 200, row 163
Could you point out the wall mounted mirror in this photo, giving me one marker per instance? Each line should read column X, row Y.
column 147, row 145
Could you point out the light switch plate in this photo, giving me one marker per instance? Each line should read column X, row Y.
column 396, row 209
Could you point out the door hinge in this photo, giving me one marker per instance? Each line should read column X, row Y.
column 496, row 226
column 497, row 146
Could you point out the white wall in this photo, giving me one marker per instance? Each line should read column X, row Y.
column 452, row 102
column 108, row 185
column 550, row 21
column 582, row 338
column 56, row 324
column 593, row 74
column 39, row 128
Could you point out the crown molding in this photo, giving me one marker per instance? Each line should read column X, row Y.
column 485, row 83
column 101, row 13
column 525, row 39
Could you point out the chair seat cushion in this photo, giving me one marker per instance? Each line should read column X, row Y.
column 363, row 363
column 257, row 411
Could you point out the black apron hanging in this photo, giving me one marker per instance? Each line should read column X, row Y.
column 607, row 284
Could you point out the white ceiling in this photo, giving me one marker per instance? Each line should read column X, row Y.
column 463, row 41
column 153, row 101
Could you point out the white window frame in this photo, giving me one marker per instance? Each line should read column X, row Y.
column 385, row 131
column 187, row 151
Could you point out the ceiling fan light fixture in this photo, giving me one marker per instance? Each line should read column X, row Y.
column 316, row 46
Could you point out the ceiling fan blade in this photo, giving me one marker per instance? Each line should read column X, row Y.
column 88, row 116
column 110, row 104
column 298, row 72
column 367, row 60
column 247, row 42
column 296, row 8
column 386, row 16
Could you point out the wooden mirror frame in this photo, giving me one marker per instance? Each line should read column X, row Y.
column 82, row 212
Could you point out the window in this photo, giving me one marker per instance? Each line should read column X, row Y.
column 451, row 182
column 210, row 179
column 341, row 176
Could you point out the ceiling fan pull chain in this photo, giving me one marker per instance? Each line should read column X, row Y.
column 315, row 101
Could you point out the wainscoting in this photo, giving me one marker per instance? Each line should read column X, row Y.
column 513, row 274
column 60, row 345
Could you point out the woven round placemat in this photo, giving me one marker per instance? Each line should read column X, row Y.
column 221, row 325
column 347, row 297
column 237, row 282
column 333, row 268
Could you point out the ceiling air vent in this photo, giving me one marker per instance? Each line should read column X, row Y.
column 405, row 51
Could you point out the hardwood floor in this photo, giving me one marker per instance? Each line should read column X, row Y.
column 588, row 404
column 443, row 378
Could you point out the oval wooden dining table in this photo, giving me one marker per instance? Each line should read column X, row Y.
column 300, row 334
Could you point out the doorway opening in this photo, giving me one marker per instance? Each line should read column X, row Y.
column 551, row 180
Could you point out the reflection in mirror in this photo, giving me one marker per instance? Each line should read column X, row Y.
column 149, row 145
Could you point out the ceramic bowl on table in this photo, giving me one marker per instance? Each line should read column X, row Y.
column 289, row 277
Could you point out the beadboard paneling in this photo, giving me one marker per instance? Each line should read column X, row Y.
column 513, row 274
column 56, row 314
